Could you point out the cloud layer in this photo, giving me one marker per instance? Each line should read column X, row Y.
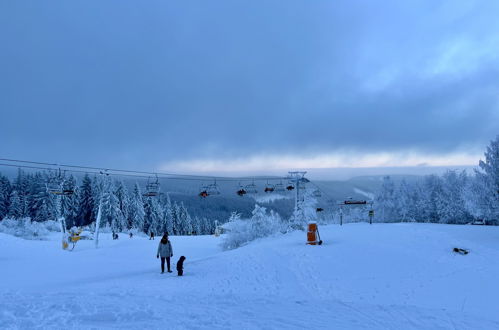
column 144, row 85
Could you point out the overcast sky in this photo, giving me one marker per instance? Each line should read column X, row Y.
column 192, row 86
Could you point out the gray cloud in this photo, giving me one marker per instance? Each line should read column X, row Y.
column 136, row 84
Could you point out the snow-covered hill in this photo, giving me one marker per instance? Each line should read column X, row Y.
column 384, row 276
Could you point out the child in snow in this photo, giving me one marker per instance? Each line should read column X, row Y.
column 165, row 251
column 180, row 266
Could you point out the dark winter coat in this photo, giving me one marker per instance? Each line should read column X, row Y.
column 165, row 249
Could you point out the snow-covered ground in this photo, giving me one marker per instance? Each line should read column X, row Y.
column 384, row 276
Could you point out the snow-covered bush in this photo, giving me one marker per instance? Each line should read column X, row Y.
column 241, row 231
column 52, row 225
column 25, row 228
column 306, row 212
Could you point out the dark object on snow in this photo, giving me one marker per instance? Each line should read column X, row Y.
column 115, row 236
column 460, row 251
column 152, row 236
column 180, row 266
column 131, row 235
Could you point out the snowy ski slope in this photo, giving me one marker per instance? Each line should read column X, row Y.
column 384, row 276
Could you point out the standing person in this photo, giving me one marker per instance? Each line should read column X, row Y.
column 152, row 236
column 165, row 251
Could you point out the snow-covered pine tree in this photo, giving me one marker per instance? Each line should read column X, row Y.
column 69, row 202
column 176, row 221
column 136, row 211
column 185, row 227
column 86, row 202
column 432, row 188
column 385, row 201
column 404, row 201
column 263, row 224
column 153, row 215
column 40, row 203
column 196, row 226
column 483, row 193
column 5, row 191
column 168, row 215
column 16, row 206
column 450, row 202
column 110, row 210
column 21, row 185
column 122, row 195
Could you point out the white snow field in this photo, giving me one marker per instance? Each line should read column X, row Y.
column 381, row 276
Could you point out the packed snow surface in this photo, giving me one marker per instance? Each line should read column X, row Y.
column 381, row 276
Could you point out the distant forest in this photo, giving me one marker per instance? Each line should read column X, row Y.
column 124, row 205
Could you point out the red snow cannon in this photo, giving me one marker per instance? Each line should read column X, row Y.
column 313, row 234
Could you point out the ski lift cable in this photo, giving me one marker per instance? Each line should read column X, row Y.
column 162, row 175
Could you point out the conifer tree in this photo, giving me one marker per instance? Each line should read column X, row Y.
column 86, row 202
column 5, row 191
column 16, row 207
column 136, row 211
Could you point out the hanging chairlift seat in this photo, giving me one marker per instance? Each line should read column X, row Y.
column 152, row 188
column 317, row 193
column 251, row 188
column 354, row 202
column 241, row 192
column 279, row 187
column 68, row 192
column 213, row 189
column 319, row 209
column 290, row 187
column 53, row 187
column 269, row 188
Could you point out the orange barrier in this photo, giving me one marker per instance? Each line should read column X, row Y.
column 312, row 234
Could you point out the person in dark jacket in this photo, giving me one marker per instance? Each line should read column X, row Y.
column 180, row 266
column 152, row 236
column 165, row 251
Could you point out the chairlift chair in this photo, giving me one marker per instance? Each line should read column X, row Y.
column 251, row 188
column 290, row 187
column 213, row 189
column 317, row 193
column 68, row 192
column 203, row 191
column 54, row 185
column 241, row 192
column 279, row 187
column 269, row 188
column 152, row 188
column 319, row 209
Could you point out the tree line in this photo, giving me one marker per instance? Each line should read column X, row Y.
column 454, row 197
column 122, row 209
